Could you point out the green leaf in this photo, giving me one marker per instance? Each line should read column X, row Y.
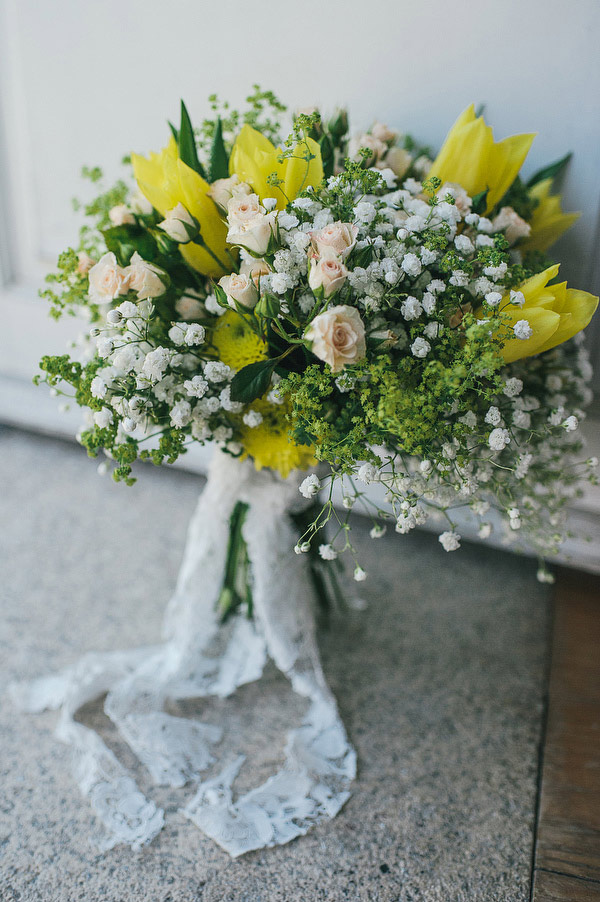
column 326, row 146
column 219, row 158
column 124, row 240
column 252, row 381
column 187, row 143
column 549, row 172
column 174, row 131
column 480, row 201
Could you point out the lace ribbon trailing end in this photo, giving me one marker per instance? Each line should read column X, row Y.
column 201, row 657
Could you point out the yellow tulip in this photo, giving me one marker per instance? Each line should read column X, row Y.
column 470, row 157
column 555, row 313
column 548, row 221
column 254, row 158
column 166, row 181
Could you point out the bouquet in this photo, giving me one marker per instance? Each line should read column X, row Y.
column 354, row 308
column 349, row 302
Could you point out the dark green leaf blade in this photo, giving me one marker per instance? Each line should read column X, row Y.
column 174, row 131
column 219, row 158
column 327, row 155
column 187, row 143
column 549, row 172
column 252, row 381
column 480, row 201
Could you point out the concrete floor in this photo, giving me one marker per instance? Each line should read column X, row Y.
column 440, row 682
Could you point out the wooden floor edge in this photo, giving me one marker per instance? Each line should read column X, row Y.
column 566, row 859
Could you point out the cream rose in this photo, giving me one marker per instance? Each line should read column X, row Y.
column 398, row 160
column 243, row 206
column 337, row 336
column 144, row 278
column 249, row 225
column 376, row 148
column 179, row 225
column 85, row 263
column 223, row 190
column 121, row 215
column 383, row 133
column 509, row 222
column 327, row 272
column 254, row 269
column 189, row 307
column 106, row 280
column 340, row 237
column 240, row 288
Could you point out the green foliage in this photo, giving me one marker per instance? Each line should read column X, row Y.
column 125, row 240
column 219, row 158
column 98, row 208
column 552, row 171
column 519, row 198
column 188, row 151
column 252, row 381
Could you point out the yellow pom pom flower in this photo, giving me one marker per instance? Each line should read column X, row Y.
column 269, row 444
column 236, row 343
column 470, row 157
column 548, row 221
column 254, row 158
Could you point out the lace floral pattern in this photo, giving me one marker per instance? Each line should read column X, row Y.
column 202, row 658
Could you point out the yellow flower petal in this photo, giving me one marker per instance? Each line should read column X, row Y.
column 269, row 444
column 505, row 161
column 470, row 157
column 254, row 158
column 532, row 287
column 156, row 177
column 554, row 312
column 544, row 324
column 236, row 344
column 167, row 181
column 579, row 308
column 548, row 221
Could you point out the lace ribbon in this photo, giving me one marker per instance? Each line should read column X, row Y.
column 200, row 657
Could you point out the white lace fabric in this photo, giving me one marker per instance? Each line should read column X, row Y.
column 200, row 657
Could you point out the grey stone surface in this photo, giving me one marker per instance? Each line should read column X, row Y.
column 439, row 681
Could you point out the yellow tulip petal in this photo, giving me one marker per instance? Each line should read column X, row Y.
column 548, row 221
column 212, row 228
column 166, row 181
column 506, row 159
column 579, row 307
column 547, row 229
column 531, row 287
column 470, row 157
column 299, row 172
column 464, row 153
column 544, row 324
column 254, row 158
column 155, row 176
